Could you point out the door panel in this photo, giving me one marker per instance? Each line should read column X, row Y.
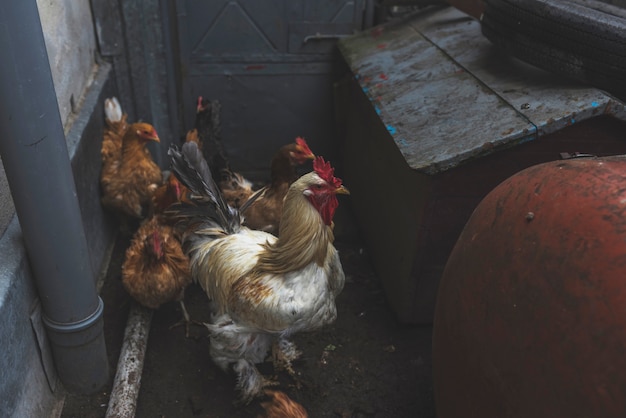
column 271, row 63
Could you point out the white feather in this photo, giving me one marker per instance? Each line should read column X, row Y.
column 113, row 109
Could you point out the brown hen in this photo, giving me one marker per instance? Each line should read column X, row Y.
column 129, row 176
column 170, row 192
column 266, row 209
column 281, row 406
column 235, row 188
column 155, row 270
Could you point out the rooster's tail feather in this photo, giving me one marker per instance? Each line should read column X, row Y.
column 208, row 209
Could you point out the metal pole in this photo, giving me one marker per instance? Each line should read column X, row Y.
column 37, row 165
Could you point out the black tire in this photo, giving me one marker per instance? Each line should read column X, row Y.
column 584, row 40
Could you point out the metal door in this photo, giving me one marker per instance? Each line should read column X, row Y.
column 271, row 63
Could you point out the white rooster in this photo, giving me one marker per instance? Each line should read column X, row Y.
column 264, row 288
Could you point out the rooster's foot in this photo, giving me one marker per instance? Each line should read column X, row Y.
column 283, row 353
column 186, row 323
column 250, row 382
column 186, row 320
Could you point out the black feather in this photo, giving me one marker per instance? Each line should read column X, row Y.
column 191, row 169
column 209, row 208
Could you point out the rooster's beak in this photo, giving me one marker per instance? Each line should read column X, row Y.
column 342, row 190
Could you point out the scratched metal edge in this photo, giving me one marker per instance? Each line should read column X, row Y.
column 261, row 68
column 446, row 145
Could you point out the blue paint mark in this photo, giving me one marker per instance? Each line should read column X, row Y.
column 594, row 104
column 573, row 121
column 357, row 76
column 365, row 90
column 377, row 109
column 391, row 129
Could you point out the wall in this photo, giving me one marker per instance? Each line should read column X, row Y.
column 71, row 45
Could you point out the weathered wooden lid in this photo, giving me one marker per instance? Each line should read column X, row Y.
column 447, row 96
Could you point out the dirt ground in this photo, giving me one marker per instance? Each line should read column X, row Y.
column 365, row 365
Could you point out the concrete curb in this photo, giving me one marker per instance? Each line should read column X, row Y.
column 123, row 400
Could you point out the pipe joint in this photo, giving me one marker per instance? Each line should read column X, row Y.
column 79, row 351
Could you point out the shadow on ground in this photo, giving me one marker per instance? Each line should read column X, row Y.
column 364, row 365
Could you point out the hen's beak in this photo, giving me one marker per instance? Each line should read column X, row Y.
column 148, row 136
column 342, row 190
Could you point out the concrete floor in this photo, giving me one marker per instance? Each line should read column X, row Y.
column 365, row 365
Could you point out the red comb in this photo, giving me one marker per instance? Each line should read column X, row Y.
column 326, row 172
column 302, row 144
column 156, row 244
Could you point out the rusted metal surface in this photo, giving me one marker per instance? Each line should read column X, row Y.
column 446, row 96
column 531, row 309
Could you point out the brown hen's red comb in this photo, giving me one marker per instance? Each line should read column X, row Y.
column 302, row 144
column 200, row 104
column 156, row 243
column 326, row 172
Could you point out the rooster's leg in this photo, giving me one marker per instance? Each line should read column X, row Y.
column 186, row 319
column 283, row 353
column 250, row 382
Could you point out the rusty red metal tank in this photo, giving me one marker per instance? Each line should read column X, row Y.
column 531, row 311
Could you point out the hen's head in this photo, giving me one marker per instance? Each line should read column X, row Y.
column 144, row 132
column 321, row 187
column 299, row 152
column 171, row 192
column 201, row 104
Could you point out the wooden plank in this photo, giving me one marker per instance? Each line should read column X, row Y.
column 433, row 109
column 548, row 101
column 447, row 96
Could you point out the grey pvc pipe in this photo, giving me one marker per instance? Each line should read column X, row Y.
column 37, row 165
